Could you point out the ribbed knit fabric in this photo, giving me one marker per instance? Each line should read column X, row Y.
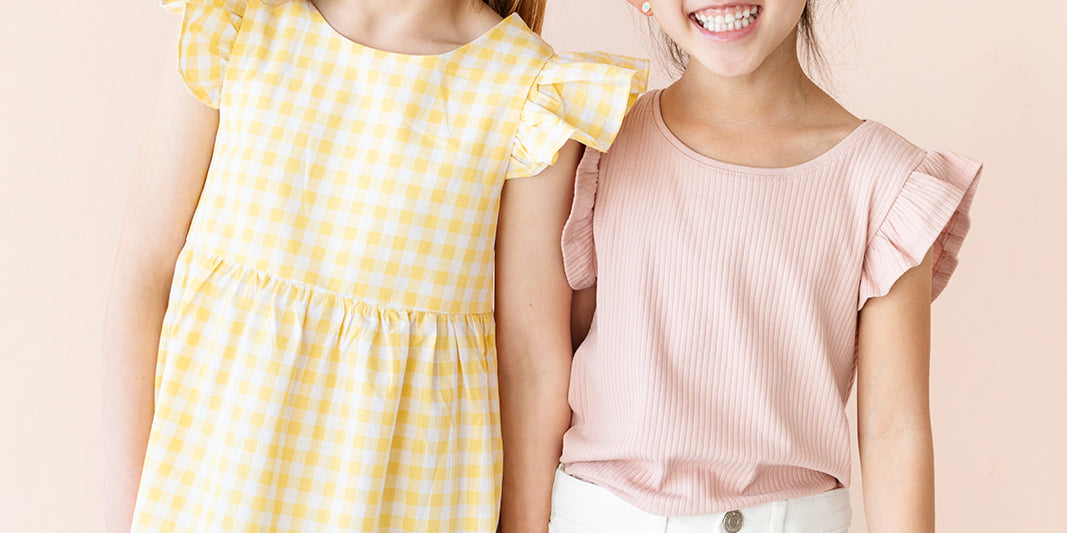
column 722, row 351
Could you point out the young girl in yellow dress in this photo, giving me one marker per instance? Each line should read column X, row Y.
column 319, row 230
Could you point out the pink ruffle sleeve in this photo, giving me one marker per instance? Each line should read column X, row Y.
column 579, row 250
column 931, row 209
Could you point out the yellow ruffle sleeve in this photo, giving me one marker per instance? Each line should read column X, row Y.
column 578, row 96
column 209, row 29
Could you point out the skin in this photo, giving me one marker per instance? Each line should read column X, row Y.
column 533, row 339
column 165, row 189
column 170, row 175
column 417, row 27
column 893, row 406
column 748, row 102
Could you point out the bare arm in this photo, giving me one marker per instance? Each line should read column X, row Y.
column 583, row 305
column 533, row 339
column 895, row 439
column 166, row 187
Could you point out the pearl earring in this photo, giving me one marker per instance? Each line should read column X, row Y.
column 646, row 7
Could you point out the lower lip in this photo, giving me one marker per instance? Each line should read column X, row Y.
column 725, row 36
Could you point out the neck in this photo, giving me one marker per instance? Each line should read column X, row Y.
column 775, row 93
column 386, row 17
column 385, row 10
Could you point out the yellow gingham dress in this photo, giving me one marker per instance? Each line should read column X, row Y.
column 327, row 360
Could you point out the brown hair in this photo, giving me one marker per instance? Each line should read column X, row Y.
column 814, row 60
column 531, row 11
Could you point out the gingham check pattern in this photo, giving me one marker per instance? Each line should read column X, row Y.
column 327, row 360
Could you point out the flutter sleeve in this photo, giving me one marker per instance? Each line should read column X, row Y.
column 575, row 96
column 579, row 249
column 931, row 210
column 209, row 29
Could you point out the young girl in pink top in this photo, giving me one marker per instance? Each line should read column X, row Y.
column 749, row 247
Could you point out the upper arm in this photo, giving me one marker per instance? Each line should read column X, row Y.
column 893, row 350
column 532, row 294
column 169, row 176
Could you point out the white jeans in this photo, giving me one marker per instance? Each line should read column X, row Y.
column 582, row 507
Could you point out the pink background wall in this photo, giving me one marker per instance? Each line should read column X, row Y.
column 984, row 78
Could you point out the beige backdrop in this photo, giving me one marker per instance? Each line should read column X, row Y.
column 977, row 76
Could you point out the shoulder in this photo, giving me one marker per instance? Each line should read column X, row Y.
column 878, row 165
column 512, row 37
column 881, row 149
column 235, row 8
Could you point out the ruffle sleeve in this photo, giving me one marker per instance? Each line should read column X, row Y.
column 209, row 29
column 579, row 250
column 931, row 209
column 575, row 96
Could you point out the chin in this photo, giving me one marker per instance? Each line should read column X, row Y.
column 726, row 67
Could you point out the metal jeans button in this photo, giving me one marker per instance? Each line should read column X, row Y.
column 732, row 522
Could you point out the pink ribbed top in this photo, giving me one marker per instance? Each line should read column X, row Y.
column 722, row 351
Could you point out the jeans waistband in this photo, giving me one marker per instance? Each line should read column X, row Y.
column 598, row 508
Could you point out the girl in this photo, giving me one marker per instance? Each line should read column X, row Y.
column 326, row 361
column 749, row 245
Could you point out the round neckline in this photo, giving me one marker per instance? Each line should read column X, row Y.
column 320, row 18
column 686, row 150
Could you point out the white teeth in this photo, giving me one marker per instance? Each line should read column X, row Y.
column 730, row 21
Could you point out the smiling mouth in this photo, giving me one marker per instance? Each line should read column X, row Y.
column 732, row 18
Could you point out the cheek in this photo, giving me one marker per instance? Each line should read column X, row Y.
column 784, row 15
column 792, row 7
column 675, row 23
column 677, row 28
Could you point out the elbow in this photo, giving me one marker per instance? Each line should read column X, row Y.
column 895, row 428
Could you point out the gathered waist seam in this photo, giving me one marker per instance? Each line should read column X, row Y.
column 191, row 249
